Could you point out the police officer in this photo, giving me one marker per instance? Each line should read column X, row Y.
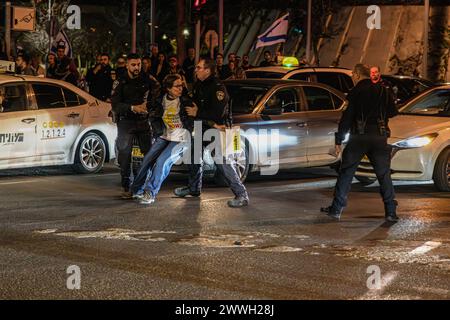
column 130, row 101
column 370, row 106
column 211, row 107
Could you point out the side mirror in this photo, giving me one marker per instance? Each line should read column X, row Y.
column 272, row 111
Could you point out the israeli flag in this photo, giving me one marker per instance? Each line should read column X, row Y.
column 62, row 39
column 276, row 33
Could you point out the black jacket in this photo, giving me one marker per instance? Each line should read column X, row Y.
column 211, row 98
column 127, row 92
column 156, row 113
column 100, row 84
column 368, row 103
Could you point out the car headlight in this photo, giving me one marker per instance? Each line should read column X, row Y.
column 416, row 142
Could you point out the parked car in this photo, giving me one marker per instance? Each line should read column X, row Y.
column 338, row 78
column 420, row 137
column 302, row 116
column 47, row 122
column 406, row 87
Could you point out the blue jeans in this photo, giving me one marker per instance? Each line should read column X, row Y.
column 156, row 166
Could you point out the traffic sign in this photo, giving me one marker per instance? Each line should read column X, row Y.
column 23, row 19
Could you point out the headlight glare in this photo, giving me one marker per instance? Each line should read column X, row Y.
column 416, row 142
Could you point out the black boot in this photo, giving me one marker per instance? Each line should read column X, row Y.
column 390, row 211
column 332, row 212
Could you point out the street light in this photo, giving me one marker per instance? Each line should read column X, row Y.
column 186, row 32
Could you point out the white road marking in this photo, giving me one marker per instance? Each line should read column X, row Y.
column 18, row 182
column 428, row 246
column 386, row 280
column 280, row 249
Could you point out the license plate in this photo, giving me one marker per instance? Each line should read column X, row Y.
column 137, row 153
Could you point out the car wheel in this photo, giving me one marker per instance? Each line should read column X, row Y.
column 242, row 165
column 441, row 174
column 91, row 154
column 365, row 181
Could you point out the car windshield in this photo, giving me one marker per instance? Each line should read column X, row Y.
column 244, row 98
column 435, row 103
column 263, row 74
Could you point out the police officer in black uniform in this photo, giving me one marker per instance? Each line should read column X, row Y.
column 130, row 103
column 211, row 107
column 371, row 104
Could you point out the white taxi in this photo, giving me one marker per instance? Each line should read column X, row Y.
column 45, row 122
column 420, row 137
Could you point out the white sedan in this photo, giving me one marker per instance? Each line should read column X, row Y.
column 47, row 122
column 421, row 141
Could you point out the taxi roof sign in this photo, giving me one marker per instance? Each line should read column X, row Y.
column 290, row 62
column 7, row 66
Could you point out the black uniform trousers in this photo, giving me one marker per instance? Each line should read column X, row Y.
column 127, row 131
column 379, row 153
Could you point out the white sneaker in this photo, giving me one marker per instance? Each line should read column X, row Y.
column 147, row 198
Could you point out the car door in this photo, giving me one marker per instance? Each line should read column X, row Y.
column 59, row 117
column 17, row 127
column 322, row 121
column 282, row 118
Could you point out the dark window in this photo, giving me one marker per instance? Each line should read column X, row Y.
column 48, row 96
column 72, row 99
column 318, row 98
column 13, row 97
column 436, row 103
column 286, row 99
column 346, row 82
column 337, row 101
column 244, row 99
column 300, row 76
column 329, row 78
column 263, row 74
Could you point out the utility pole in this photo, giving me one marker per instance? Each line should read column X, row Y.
column 221, row 26
column 50, row 25
column 308, row 39
column 425, row 40
column 8, row 29
column 197, row 40
column 133, row 25
column 152, row 22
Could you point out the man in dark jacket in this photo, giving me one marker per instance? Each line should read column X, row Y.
column 99, row 79
column 130, row 101
column 211, row 107
column 371, row 104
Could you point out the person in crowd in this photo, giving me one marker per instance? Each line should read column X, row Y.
column 223, row 72
column 23, row 65
column 246, row 62
column 189, row 68
column 51, row 66
column 371, row 104
column 130, row 101
column 237, row 73
column 121, row 67
column 161, row 68
column 267, row 62
column 99, row 79
column 172, row 126
column 211, row 107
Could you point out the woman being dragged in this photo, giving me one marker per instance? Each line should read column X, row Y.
column 173, row 127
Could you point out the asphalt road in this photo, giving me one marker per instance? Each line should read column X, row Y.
column 279, row 247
